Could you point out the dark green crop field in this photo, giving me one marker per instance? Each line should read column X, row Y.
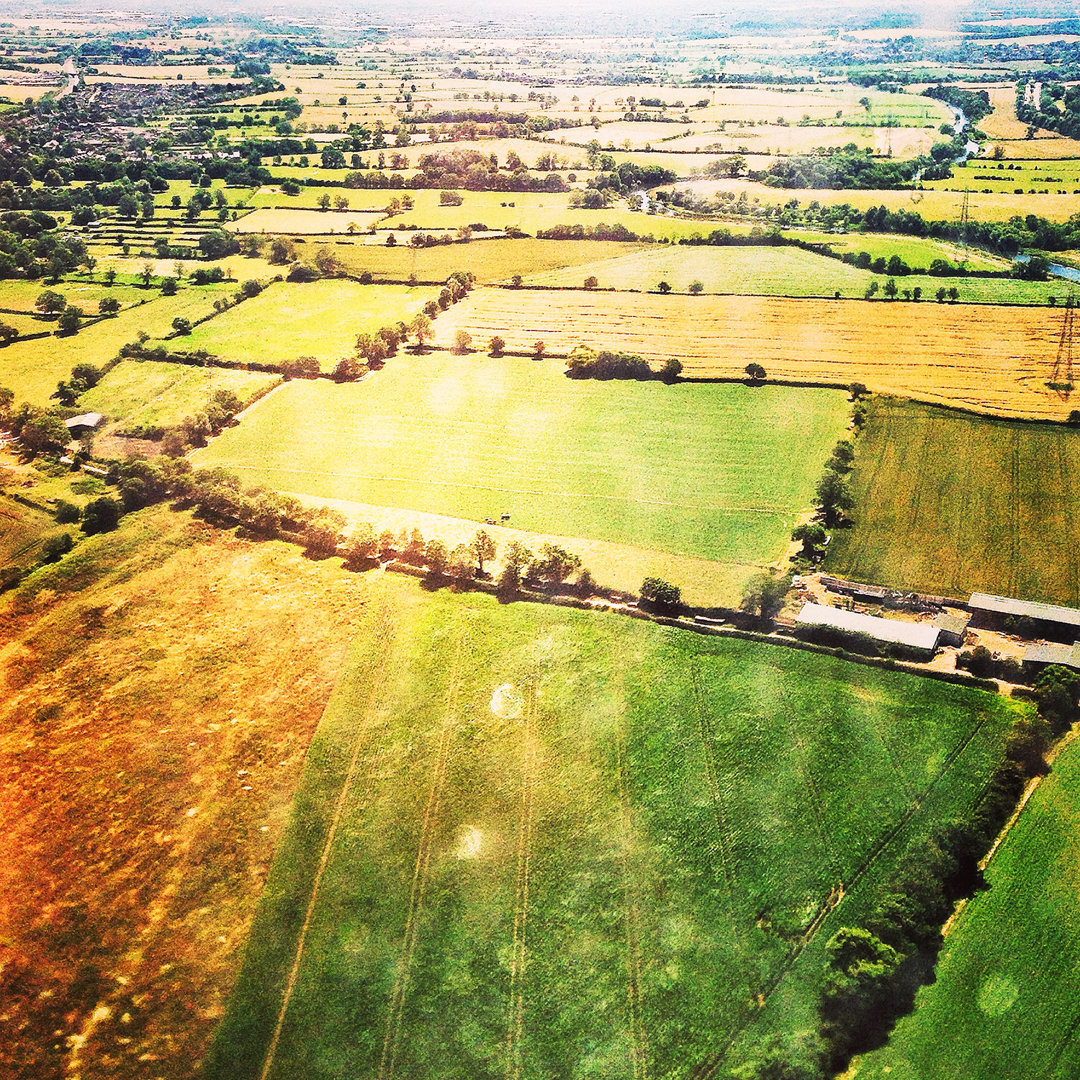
column 535, row 843
column 1007, row 997
column 948, row 503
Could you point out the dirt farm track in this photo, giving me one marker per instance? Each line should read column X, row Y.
column 990, row 359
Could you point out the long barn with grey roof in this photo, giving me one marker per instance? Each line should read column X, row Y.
column 1044, row 620
column 921, row 637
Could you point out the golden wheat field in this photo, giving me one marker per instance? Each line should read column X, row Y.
column 991, row 359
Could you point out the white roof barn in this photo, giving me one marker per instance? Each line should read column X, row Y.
column 920, row 636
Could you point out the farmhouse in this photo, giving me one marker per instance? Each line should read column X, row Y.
column 919, row 637
column 1037, row 657
column 1042, row 620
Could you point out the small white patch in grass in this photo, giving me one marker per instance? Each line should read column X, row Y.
column 507, row 702
column 469, row 843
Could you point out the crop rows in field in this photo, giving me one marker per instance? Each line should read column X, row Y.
column 543, row 841
column 949, row 504
column 985, row 358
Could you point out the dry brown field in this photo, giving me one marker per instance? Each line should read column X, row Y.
column 1009, row 133
column 160, row 688
column 991, row 359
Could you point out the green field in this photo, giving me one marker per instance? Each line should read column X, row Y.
column 1045, row 175
column 948, row 503
column 918, row 252
column 782, row 271
column 148, row 394
column 547, row 843
column 772, row 271
column 1006, row 1001
column 489, row 260
column 473, row 437
column 319, row 318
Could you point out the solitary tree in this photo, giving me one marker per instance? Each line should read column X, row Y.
column 496, row 345
column 663, row 287
column 50, row 302
column 755, row 372
column 659, row 594
column 101, row 515
column 462, row 341
column 70, row 319
column 44, row 433
column 538, row 350
column 483, row 547
column 834, row 497
column 671, row 370
column 764, row 594
column 591, row 282
column 421, row 328
column 437, row 558
column 696, row 287
column 812, row 537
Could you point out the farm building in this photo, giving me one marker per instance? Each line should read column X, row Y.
column 1037, row 657
column 1041, row 620
column 920, row 637
column 952, row 627
column 77, row 425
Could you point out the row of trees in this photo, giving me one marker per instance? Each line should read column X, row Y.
column 586, row 363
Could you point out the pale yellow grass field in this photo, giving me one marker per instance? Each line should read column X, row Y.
column 704, row 583
column 995, row 360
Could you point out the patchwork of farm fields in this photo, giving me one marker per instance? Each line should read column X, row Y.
column 319, row 318
column 535, row 843
column 992, row 359
column 932, row 205
column 948, row 504
column 32, row 368
column 473, row 437
column 1010, row 966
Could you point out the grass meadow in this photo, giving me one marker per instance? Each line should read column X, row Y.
column 949, row 503
column 755, row 270
column 1007, row 993
column 473, row 437
column 148, row 394
column 319, row 318
column 768, row 271
column 489, row 260
column 533, row 842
